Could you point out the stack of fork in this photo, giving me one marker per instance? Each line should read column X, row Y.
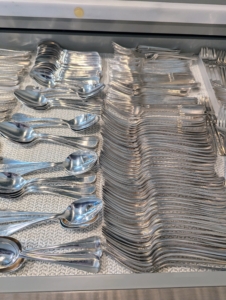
column 215, row 61
column 163, row 199
column 13, row 66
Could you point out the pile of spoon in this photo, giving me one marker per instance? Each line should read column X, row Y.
column 164, row 202
column 57, row 67
column 83, row 212
column 82, row 254
column 44, row 100
column 26, row 135
column 79, row 123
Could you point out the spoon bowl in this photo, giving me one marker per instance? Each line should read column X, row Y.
column 9, row 254
column 31, row 96
column 80, row 162
column 66, row 224
column 18, row 132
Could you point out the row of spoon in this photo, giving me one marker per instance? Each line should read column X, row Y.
column 78, row 71
column 70, row 83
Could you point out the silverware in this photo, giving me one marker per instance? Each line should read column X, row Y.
column 158, row 159
column 79, row 214
column 59, row 67
column 80, row 122
column 12, row 257
column 21, row 133
column 36, row 100
column 76, row 163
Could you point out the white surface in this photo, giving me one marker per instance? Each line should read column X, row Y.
column 117, row 10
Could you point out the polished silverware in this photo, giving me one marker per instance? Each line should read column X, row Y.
column 57, row 67
column 161, row 189
column 12, row 256
column 36, row 100
column 76, row 163
column 80, row 214
column 21, row 133
column 80, row 122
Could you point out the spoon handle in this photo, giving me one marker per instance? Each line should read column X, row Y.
column 87, row 142
column 68, row 191
column 86, row 179
column 86, row 262
column 18, row 117
column 9, row 229
column 90, row 243
column 22, row 168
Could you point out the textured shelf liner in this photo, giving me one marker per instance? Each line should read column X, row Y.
column 51, row 233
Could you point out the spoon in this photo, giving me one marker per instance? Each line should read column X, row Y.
column 83, row 89
column 76, row 163
column 12, row 257
column 35, row 97
column 24, row 134
column 11, row 182
column 79, row 214
column 43, row 103
column 80, row 122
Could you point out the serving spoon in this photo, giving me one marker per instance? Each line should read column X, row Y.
column 79, row 214
column 12, row 257
column 25, row 134
column 76, row 163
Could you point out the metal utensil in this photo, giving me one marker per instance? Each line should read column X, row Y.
column 24, row 134
column 80, row 122
column 76, row 163
column 12, row 257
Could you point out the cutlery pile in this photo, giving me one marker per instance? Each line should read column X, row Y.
column 66, row 79
column 13, row 66
column 86, row 257
column 163, row 199
column 54, row 98
column 78, row 71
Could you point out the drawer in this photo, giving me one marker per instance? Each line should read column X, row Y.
column 119, row 282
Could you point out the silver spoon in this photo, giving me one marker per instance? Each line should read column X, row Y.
column 11, row 183
column 80, row 122
column 24, row 134
column 84, row 90
column 76, row 163
column 79, row 214
column 12, row 257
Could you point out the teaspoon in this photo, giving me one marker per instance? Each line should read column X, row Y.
column 24, row 134
column 12, row 257
column 80, row 122
column 76, row 163
column 79, row 214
